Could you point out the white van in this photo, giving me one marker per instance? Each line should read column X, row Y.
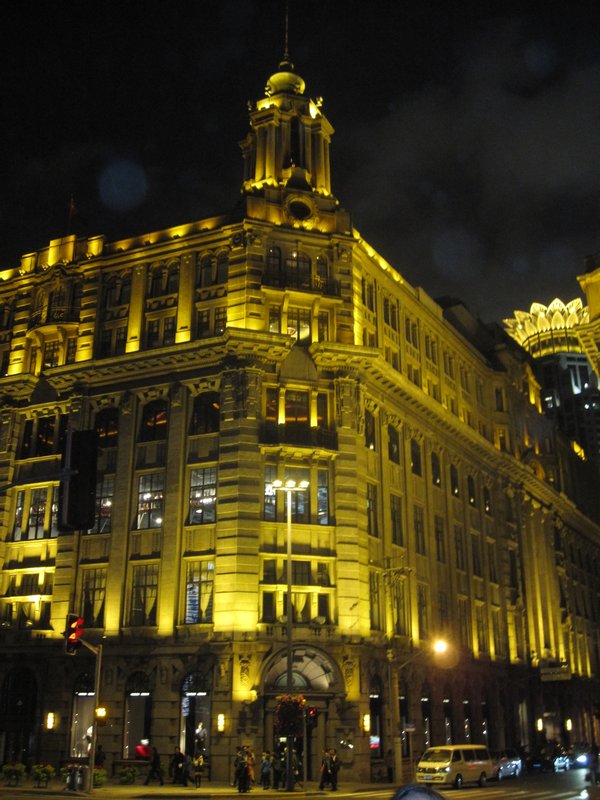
column 455, row 764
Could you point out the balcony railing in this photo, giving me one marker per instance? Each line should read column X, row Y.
column 53, row 316
column 293, row 433
column 290, row 279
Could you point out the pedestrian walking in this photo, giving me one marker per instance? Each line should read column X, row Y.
column 335, row 768
column 155, row 770
column 266, row 770
column 325, row 770
column 176, row 766
column 241, row 774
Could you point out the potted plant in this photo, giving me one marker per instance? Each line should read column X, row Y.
column 13, row 773
column 42, row 773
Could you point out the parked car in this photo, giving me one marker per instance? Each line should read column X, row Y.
column 507, row 764
column 550, row 760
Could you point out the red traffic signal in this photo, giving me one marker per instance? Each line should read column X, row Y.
column 312, row 717
column 73, row 633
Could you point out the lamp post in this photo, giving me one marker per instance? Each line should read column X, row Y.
column 438, row 647
column 288, row 487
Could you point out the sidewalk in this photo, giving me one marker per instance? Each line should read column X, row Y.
column 208, row 790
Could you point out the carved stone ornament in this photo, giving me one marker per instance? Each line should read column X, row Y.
column 244, row 664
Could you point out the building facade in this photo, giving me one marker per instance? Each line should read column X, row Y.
column 215, row 359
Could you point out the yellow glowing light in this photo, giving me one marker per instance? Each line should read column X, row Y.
column 569, row 724
column 313, row 110
column 50, row 721
column 366, row 723
column 440, row 646
column 220, row 722
column 540, row 724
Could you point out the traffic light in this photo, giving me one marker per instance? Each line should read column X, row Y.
column 312, row 717
column 73, row 633
column 77, row 490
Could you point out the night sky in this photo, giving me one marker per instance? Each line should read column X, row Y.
column 467, row 144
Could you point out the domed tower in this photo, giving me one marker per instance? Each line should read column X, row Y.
column 286, row 158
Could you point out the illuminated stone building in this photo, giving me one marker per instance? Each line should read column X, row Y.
column 216, row 357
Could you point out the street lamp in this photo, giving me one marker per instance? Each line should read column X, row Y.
column 438, row 647
column 289, row 487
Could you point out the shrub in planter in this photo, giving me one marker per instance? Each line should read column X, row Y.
column 42, row 773
column 127, row 775
column 13, row 772
column 99, row 776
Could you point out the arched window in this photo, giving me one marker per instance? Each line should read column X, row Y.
column 298, row 270
column 222, row 267
column 205, row 414
column 322, row 271
column 206, row 271
column 173, row 278
column 274, row 261
column 156, row 281
column 107, row 427
column 155, row 418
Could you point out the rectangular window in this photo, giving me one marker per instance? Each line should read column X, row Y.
column 372, row 525
column 464, row 625
column 144, row 594
column 323, row 497
column 199, row 584
column 37, row 513
column 323, row 326
column 300, row 498
column 443, row 610
column 274, row 319
column 476, row 554
column 93, row 594
column 268, row 606
column 482, row 629
column 105, row 489
column 203, row 324
column 150, row 501
column 396, row 519
column 400, row 607
column 393, row 444
column 299, row 325
column 120, row 340
column 415, row 457
column 169, row 331
column 71, row 350
column 370, row 441
column 270, row 494
column 203, row 496
column 18, row 525
column 459, row 544
column 220, row 321
column 153, row 333
column 375, row 601
column 301, row 573
column 51, row 354
column 419, row 528
column 440, row 539
column 296, row 410
column 492, row 570
column 423, row 610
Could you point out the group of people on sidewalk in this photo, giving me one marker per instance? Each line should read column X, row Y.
column 272, row 769
column 183, row 769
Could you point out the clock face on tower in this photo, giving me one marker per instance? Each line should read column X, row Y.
column 300, row 210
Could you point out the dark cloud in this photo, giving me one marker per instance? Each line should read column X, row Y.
column 467, row 145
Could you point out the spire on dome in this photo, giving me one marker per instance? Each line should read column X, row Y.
column 285, row 80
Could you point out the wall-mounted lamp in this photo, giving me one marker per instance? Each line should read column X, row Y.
column 540, row 724
column 50, row 721
column 220, row 723
column 569, row 724
column 366, row 723
column 101, row 715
